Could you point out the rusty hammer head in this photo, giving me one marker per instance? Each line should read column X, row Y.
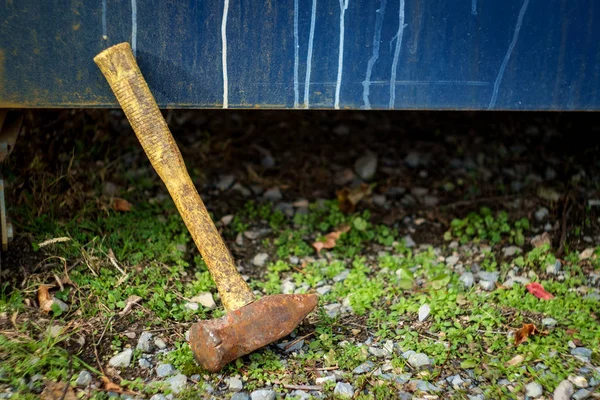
column 217, row 342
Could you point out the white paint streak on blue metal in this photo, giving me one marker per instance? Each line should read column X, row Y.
column 473, row 7
column 311, row 38
column 375, row 56
column 399, row 35
column 296, row 48
column 134, row 26
column 343, row 8
column 104, row 29
column 508, row 54
column 224, row 54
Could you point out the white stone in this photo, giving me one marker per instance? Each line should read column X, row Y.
column 144, row 342
column 177, row 383
column 324, row 379
column 563, row 391
column 424, row 311
column 121, row 360
column 533, row 389
column 578, row 381
column 263, row 394
column 343, row 390
column 366, row 166
column 418, row 360
column 260, row 259
column 205, row 299
column 235, row 384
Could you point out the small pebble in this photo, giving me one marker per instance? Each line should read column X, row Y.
column 541, row 214
column 343, row 390
column 324, row 379
column 510, row 251
column 582, row 353
column 260, row 259
column 263, row 394
column 487, row 285
column 158, row 397
column 121, row 360
column 177, row 383
column 581, row 394
column 323, row 290
column 144, row 342
column 205, row 299
column 164, row 370
column 549, row 322
column 191, row 306
column 158, row 342
column 563, row 391
column 533, row 389
column 83, row 379
column 273, row 194
column 235, row 384
column 424, row 311
column 365, row 367
column 553, row 268
column 341, row 276
column 333, row 310
column 225, row 182
column 144, row 364
column 418, row 360
column 288, row 287
column 467, row 279
column 578, row 381
column 366, row 166
column 451, row 261
column 488, row 276
column 240, row 396
column 408, row 241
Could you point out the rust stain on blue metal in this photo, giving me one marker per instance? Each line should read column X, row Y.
column 459, row 54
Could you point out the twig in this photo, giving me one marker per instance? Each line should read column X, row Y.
column 299, row 387
column 563, row 233
column 293, row 342
column 96, row 354
column 71, row 373
column 323, row 369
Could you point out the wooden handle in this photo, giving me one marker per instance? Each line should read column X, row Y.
column 120, row 69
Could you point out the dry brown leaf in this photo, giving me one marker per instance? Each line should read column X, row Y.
column 110, row 386
column 349, row 198
column 516, row 360
column 56, row 391
column 44, row 298
column 330, row 239
column 129, row 303
column 522, row 334
column 120, row 204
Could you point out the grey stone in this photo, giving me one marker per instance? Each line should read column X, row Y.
column 379, row 200
column 476, row 397
column 205, row 299
column 511, row 251
column 121, row 360
column 158, row 342
column 408, row 353
column 324, row 379
column 298, row 395
column 158, row 397
column 333, row 310
column 408, row 241
column 413, row 159
column 488, row 276
column 163, row 370
column 504, row 382
column 430, row 200
column 294, row 347
column 457, row 381
column 487, row 285
column 343, row 390
column 177, row 382
column 541, row 213
column 424, row 386
column 377, row 352
column 191, row 306
column 578, row 381
column 240, row 396
column 582, row 353
column 260, row 259
column 225, row 182
column 418, row 360
column 451, row 261
column 323, row 290
column 144, row 342
column 235, row 384
column 241, row 189
column 144, row 364
column 366, row 166
column 424, row 311
column 419, row 191
column 563, row 391
column 408, row 200
column 273, row 194
column 549, row 322
column 510, row 282
column 263, row 394
column 554, row 268
column 256, row 234
column 341, row 276
column 288, row 287
column 267, row 161
column 365, row 367
column 83, row 379
column 533, row 389
column 467, row 279
column 581, row 394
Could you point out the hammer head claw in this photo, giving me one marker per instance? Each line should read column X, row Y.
column 217, row 342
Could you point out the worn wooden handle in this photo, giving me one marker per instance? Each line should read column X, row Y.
column 120, row 69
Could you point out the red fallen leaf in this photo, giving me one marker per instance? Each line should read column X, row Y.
column 330, row 239
column 522, row 334
column 120, row 204
column 538, row 291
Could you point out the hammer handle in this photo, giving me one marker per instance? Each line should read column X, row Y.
column 120, row 69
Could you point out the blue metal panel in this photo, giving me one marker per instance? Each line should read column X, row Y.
column 402, row 54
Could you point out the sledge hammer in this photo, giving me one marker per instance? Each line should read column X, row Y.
column 249, row 324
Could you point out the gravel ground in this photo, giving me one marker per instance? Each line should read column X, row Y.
column 415, row 174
